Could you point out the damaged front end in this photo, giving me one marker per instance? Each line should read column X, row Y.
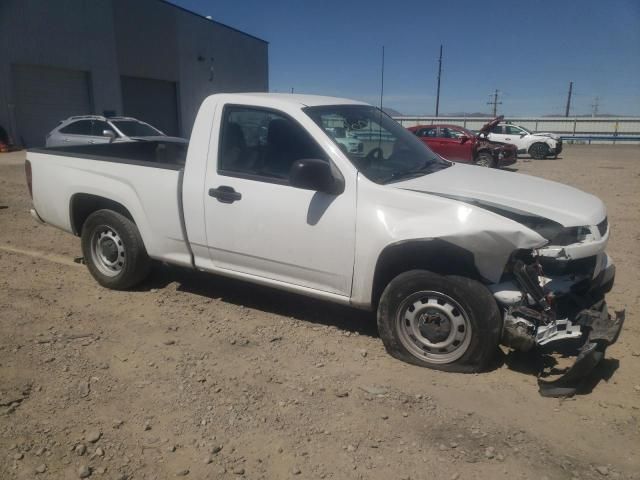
column 553, row 297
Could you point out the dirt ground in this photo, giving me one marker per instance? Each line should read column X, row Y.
column 203, row 377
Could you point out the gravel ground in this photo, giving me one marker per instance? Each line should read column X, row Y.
column 202, row 377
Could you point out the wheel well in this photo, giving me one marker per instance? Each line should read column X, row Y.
column 84, row 204
column 437, row 256
column 484, row 150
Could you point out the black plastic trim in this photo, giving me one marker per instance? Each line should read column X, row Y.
column 102, row 158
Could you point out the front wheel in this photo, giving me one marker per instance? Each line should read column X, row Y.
column 447, row 323
column 485, row 159
column 539, row 150
column 113, row 250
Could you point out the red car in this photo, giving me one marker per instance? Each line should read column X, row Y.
column 458, row 144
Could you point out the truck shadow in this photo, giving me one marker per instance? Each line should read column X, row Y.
column 263, row 298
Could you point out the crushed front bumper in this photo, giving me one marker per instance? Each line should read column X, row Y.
column 604, row 330
column 562, row 309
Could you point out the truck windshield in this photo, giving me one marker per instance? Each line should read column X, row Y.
column 132, row 128
column 388, row 152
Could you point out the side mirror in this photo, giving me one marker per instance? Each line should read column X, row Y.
column 523, row 135
column 110, row 134
column 315, row 174
column 464, row 139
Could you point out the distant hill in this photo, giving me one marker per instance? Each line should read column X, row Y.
column 465, row 114
column 600, row 115
column 455, row 114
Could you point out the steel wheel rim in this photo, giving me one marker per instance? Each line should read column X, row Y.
column 433, row 327
column 483, row 162
column 107, row 251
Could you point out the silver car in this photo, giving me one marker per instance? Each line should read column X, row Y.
column 91, row 129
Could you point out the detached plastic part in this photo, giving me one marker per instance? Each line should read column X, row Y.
column 604, row 332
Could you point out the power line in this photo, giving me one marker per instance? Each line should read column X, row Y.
column 495, row 102
column 439, row 74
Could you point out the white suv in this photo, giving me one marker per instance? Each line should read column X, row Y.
column 90, row 129
column 538, row 145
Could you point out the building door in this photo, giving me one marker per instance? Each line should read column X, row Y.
column 152, row 101
column 45, row 96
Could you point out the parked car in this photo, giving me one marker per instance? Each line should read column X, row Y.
column 91, row 129
column 455, row 259
column 6, row 144
column 538, row 145
column 458, row 144
column 346, row 139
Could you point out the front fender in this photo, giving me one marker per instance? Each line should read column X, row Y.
column 389, row 216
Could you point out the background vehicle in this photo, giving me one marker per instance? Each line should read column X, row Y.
column 90, row 129
column 538, row 145
column 347, row 139
column 458, row 144
column 455, row 259
column 6, row 144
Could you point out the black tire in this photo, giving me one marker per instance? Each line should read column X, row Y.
column 113, row 250
column 539, row 150
column 471, row 300
column 485, row 159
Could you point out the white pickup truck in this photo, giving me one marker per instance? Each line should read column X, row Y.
column 455, row 259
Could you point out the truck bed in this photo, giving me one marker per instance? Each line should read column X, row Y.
column 146, row 177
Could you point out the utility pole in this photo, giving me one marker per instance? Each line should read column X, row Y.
column 566, row 111
column 495, row 102
column 594, row 107
column 382, row 79
column 439, row 74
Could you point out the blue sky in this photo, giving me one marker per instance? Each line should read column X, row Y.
column 529, row 50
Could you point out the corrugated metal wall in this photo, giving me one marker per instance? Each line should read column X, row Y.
column 108, row 39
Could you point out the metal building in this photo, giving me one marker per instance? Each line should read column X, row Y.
column 148, row 59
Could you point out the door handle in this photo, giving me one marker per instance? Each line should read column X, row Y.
column 225, row 194
column 507, row 138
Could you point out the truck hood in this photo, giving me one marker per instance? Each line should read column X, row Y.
column 498, row 190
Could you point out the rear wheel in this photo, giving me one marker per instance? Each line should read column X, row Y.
column 485, row 159
column 539, row 150
column 446, row 323
column 113, row 250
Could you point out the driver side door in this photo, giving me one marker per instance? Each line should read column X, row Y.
column 257, row 224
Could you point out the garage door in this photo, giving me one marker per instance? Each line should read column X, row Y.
column 153, row 101
column 44, row 96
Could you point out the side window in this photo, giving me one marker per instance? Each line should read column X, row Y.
column 98, row 126
column 446, row 132
column 81, row 127
column 428, row 132
column 511, row 130
column 497, row 129
column 262, row 143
